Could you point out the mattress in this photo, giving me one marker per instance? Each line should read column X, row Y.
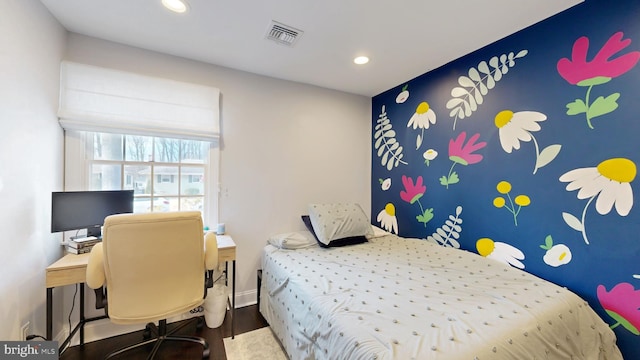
column 399, row 298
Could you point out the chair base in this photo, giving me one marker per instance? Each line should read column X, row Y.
column 160, row 335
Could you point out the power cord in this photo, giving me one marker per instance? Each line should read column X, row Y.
column 219, row 277
column 73, row 304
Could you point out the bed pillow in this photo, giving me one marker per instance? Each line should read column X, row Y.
column 377, row 232
column 293, row 240
column 339, row 224
column 352, row 240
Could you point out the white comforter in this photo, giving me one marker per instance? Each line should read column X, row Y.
column 396, row 298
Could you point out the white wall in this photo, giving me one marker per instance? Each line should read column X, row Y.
column 284, row 145
column 31, row 152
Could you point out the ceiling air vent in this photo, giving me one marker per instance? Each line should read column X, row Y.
column 283, row 34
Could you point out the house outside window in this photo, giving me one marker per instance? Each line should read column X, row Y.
column 159, row 170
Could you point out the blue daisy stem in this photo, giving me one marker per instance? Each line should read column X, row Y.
column 584, row 214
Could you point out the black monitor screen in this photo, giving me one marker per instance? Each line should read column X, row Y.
column 75, row 210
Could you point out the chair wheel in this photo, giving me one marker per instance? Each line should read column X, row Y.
column 205, row 353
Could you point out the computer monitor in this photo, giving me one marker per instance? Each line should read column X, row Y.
column 75, row 210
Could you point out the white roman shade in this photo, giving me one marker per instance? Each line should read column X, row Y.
column 107, row 100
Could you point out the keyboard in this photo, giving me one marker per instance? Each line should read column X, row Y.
column 86, row 238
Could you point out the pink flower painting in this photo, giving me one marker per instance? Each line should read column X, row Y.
column 463, row 154
column 412, row 193
column 622, row 303
column 600, row 70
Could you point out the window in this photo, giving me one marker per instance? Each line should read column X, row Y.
column 166, row 174
column 158, row 164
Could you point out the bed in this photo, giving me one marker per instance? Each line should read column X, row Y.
column 400, row 298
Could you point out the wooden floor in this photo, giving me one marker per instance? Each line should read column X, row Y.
column 247, row 319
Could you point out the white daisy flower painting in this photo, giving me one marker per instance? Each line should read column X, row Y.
column 403, row 96
column 519, row 126
column 387, row 218
column 385, row 184
column 501, row 252
column 422, row 118
column 609, row 184
column 429, row 155
column 556, row 255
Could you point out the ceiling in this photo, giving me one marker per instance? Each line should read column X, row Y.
column 403, row 38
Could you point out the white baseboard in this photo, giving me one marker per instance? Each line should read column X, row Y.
column 97, row 330
column 102, row 329
column 246, row 298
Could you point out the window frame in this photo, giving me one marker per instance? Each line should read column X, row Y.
column 77, row 171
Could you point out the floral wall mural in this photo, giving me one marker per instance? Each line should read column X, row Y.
column 535, row 137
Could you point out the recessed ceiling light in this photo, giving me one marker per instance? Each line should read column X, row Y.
column 178, row 6
column 361, row 60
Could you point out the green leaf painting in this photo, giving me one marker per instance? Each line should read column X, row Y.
column 477, row 83
column 448, row 234
column 547, row 155
column 389, row 149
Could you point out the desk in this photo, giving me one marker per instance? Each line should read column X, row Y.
column 72, row 269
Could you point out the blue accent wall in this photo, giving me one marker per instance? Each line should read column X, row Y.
column 526, row 151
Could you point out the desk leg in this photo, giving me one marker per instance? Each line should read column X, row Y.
column 233, row 301
column 82, row 320
column 49, row 313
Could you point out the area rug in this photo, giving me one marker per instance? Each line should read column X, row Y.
column 256, row 344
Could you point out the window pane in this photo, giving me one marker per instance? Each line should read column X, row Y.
column 167, row 150
column 107, row 146
column 173, row 202
column 191, row 203
column 105, row 177
column 145, row 204
column 141, row 205
column 165, row 174
column 165, row 180
column 139, row 148
column 192, row 180
column 161, row 204
column 137, row 178
column 194, row 152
